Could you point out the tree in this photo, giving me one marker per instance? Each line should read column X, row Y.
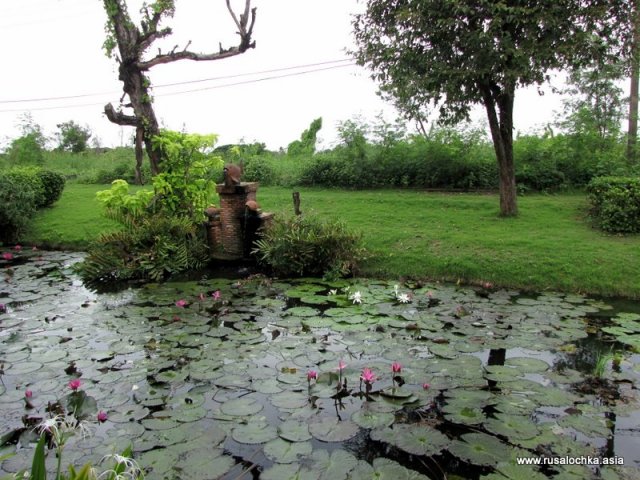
column 73, row 137
column 632, row 131
column 594, row 104
column 29, row 147
column 307, row 143
column 128, row 44
column 457, row 53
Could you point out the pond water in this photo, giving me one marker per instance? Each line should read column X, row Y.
column 260, row 378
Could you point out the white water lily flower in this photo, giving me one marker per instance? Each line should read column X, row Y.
column 333, row 292
column 404, row 298
column 356, row 297
column 396, row 287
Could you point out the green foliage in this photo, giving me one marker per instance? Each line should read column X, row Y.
column 17, row 206
column 187, row 181
column 307, row 143
column 148, row 248
column 308, row 245
column 25, row 150
column 73, row 137
column 162, row 229
column 53, row 186
column 615, row 203
column 28, row 178
column 259, row 169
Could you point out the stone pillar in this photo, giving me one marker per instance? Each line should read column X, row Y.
column 232, row 205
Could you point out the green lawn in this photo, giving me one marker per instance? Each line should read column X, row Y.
column 414, row 234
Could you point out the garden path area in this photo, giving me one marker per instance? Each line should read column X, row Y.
column 357, row 379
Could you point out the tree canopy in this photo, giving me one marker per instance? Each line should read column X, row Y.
column 454, row 54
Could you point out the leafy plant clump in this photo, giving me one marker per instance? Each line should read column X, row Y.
column 161, row 229
column 22, row 191
column 615, row 203
column 308, row 245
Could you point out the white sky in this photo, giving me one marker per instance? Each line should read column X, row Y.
column 53, row 48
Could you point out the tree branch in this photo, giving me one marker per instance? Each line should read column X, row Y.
column 245, row 43
column 120, row 118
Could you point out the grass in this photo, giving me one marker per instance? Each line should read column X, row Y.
column 414, row 234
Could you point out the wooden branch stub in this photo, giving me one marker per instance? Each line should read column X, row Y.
column 296, row 203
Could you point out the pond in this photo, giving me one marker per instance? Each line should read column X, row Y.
column 356, row 379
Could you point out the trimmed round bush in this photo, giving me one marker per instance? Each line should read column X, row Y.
column 53, row 184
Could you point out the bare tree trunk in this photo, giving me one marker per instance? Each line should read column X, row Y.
column 501, row 126
column 632, row 132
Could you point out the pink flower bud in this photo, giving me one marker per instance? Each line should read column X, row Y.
column 396, row 367
column 312, row 375
column 181, row 303
column 426, row 386
column 75, row 384
column 102, row 416
column 28, row 393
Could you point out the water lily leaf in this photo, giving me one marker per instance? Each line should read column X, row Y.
column 159, row 423
column 294, row 431
column 527, row 364
column 480, row 449
column 589, row 425
column 233, row 381
column 203, row 463
column 333, row 466
column 414, row 439
column 289, row 471
column 396, row 392
column 254, row 433
column 267, row 386
column 366, row 418
column 158, row 462
column 463, row 413
column 383, row 469
column 240, row 407
column 302, row 312
column 289, row 400
column 23, row 368
column 333, row 430
column 512, row 426
column 282, row 451
column 502, row 373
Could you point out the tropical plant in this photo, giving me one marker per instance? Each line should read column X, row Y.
column 308, row 245
column 162, row 232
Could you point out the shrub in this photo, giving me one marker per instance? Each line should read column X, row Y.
column 17, row 206
column 258, row 169
column 53, row 185
column 307, row 245
column 615, row 203
column 28, row 178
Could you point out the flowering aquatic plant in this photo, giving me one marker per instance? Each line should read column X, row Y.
column 356, row 297
column 7, row 256
column 181, row 303
column 74, row 384
column 396, row 367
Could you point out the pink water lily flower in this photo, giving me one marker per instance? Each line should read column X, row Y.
column 341, row 365
column 312, row 375
column 3, row 308
column 7, row 256
column 367, row 376
column 396, row 367
column 216, row 295
column 181, row 303
column 28, row 393
column 17, row 248
column 201, row 297
column 75, row 384
column 102, row 416
column 426, row 386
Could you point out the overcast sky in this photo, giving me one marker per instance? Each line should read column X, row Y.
column 53, row 49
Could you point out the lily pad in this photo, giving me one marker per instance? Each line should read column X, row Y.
column 282, row 451
column 241, row 407
column 366, row 418
column 254, row 433
column 384, row 469
column 480, row 449
column 333, row 430
column 414, row 439
column 294, row 431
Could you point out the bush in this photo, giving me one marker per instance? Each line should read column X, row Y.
column 28, row 178
column 258, row 169
column 307, row 245
column 53, row 185
column 17, row 206
column 615, row 203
